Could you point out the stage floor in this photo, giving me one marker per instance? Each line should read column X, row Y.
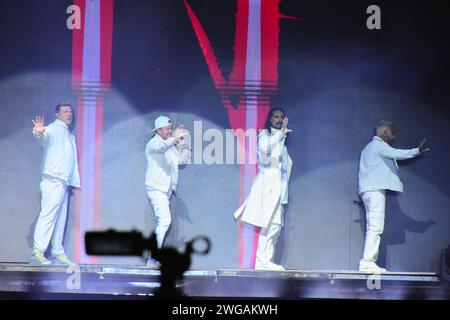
column 22, row 280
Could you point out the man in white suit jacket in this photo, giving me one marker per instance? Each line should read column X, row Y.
column 378, row 172
column 264, row 205
column 165, row 152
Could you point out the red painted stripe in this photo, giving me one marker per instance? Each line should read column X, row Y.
column 77, row 45
column 106, row 31
column 77, row 208
column 269, row 42
column 206, row 47
column 269, row 72
column 106, row 34
column 77, row 75
column 269, row 52
column 236, row 83
column 237, row 75
column 98, row 166
column 263, row 111
column 237, row 78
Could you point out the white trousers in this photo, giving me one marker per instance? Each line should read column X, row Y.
column 161, row 207
column 52, row 217
column 268, row 238
column 375, row 204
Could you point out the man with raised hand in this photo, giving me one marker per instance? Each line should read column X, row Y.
column 165, row 151
column 264, row 206
column 59, row 172
column 378, row 172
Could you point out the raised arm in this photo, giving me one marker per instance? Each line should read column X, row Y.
column 39, row 130
column 397, row 154
column 160, row 146
column 266, row 143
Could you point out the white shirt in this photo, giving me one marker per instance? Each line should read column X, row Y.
column 163, row 160
column 60, row 153
column 378, row 169
column 273, row 154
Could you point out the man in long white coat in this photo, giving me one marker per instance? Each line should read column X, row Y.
column 378, row 172
column 59, row 172
column 269, row 192
column 165, row 152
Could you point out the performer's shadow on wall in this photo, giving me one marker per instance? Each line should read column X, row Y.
column 396, row 223
column 179, row 212
column 30, row 236
column 281, row 247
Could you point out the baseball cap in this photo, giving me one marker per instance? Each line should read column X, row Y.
column 162, row 121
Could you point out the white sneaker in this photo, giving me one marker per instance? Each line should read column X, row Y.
column 153, row 264
column 268, row 266
column 37, row 257
column 371, row 266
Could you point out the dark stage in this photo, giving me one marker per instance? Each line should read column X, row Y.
column 18, row 280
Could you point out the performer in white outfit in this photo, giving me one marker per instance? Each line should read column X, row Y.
column 59, row 173
column 264, row 205
column 378, row 172
column 165, row 152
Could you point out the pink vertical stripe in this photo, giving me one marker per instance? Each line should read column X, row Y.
column 90, row 68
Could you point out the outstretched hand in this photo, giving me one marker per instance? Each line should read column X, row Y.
column 423, row 147
column 284, row 127
column 38, row 124
column 180, row 133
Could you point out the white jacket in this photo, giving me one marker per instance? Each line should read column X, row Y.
column 378, row 169
column 60, row 153
column 163, row 160
column 270, row 186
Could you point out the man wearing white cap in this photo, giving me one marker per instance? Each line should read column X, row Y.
column 165, row 152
